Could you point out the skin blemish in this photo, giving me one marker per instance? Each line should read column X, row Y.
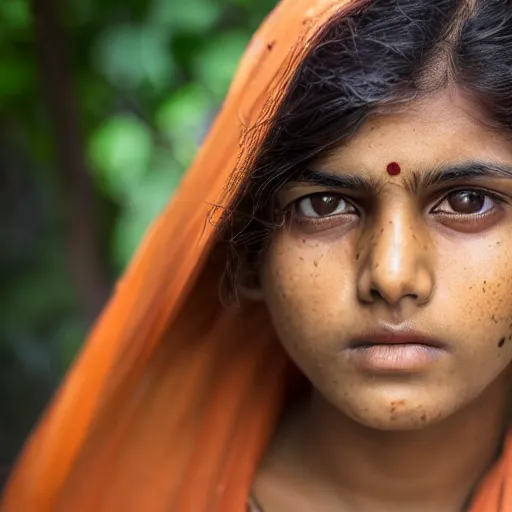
column 393, row 169
column 501, row 342
column 395, row 405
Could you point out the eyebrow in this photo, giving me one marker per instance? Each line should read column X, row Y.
column 441, row 175
column 464, row 171
column 327, row 179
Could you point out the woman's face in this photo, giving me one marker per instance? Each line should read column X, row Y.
column 393, row 294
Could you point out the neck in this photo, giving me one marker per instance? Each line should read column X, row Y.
column 336, row 463
column 438, row 467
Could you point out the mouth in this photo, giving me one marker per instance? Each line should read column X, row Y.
column 389, row 351
column 393, row 338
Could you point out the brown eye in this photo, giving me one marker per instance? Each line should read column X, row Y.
column 467, row 202
column 323, row 205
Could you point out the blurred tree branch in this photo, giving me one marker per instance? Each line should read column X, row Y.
column 87, row 268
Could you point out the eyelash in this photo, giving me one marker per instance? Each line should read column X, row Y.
column 292, row 206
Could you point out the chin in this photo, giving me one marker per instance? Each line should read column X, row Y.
column 396, row 413
column 406, row 420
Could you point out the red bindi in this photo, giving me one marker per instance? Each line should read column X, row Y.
column 393, row 169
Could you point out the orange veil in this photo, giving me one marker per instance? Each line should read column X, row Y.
column 174, row 398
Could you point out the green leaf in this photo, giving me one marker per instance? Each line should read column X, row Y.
column 15, row 14
column 187, row 16
column 95, row 97
column 17, row 77
column 146, row 202
column 216, row 65
column 79, row 12
column 184, row 118
column 120, row 151
column 41, row 295
column 130, row 56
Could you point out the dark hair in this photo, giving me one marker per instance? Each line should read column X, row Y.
column 383, row 53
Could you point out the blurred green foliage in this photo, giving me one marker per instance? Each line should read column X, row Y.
column 147, row 78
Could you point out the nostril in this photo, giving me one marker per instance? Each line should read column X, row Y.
column 390, row 297
column 375, row 295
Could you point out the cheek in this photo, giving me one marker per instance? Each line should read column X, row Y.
column 307, row 286
column 475, row 289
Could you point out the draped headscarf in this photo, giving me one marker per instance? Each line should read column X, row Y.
column 174, row 397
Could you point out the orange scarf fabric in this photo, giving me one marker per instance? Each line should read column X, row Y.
column 174, row 397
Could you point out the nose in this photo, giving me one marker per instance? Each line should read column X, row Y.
column 396, row 263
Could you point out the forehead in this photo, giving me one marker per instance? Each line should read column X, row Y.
column 419, row 136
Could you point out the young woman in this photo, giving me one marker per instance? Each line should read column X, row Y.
column 354, row 199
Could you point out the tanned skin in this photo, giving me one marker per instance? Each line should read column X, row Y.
column 427, row 251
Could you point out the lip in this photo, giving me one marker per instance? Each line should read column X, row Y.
column 402, row 337
column 392, row 351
